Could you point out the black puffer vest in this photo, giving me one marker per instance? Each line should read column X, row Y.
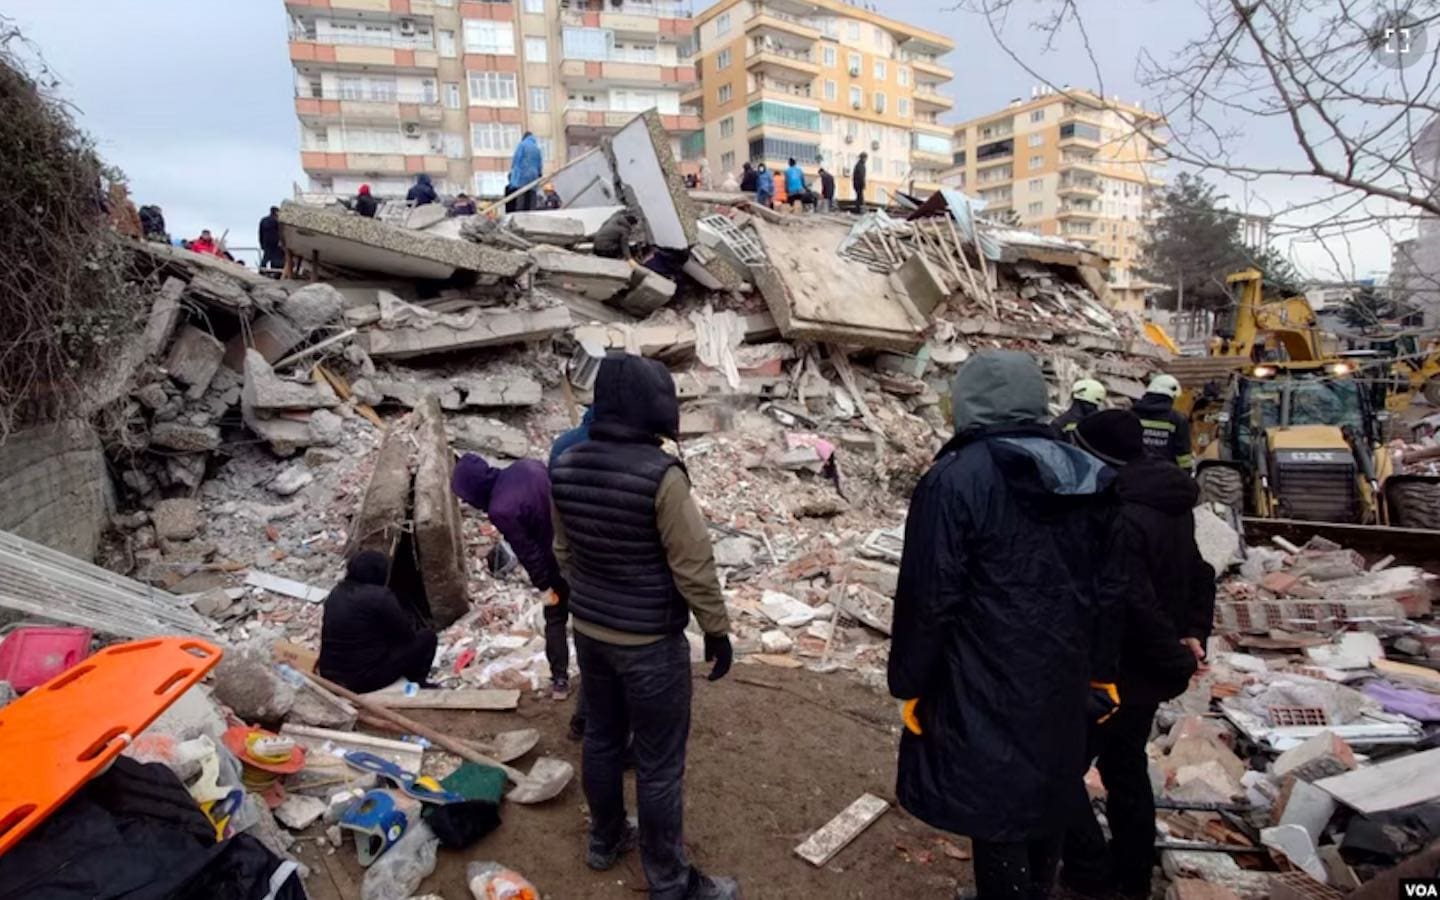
column 619, row 577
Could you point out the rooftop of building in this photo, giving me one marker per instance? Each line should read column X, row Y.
column 939, row 42
column 1044, row 96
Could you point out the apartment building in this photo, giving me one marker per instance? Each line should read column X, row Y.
column 387, row 89
column 822, row 81
column 1073, row 164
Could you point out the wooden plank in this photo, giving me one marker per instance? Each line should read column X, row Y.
column 1428, row 679
column 821, row 847
column 1390, row 785
column 464, row 698
column 286, row 587
column 316, row 740
column 297, row 657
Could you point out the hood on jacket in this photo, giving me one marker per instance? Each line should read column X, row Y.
column 1114, row 435
column 1062, row 470
column 998, row 387
column 635, row 395
column 1152, row 403
column 370, row 567
column 422, row 178
column 364, row 190
column 474, row 480
column 1159, row 485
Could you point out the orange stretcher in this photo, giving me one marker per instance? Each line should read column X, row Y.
column 67, row 730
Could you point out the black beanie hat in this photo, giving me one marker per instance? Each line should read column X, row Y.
column 1114, row 435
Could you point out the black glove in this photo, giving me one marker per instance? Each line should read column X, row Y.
column 719, row 651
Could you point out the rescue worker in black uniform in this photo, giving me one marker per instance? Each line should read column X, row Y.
column 1086, row 396
column 1167, row 432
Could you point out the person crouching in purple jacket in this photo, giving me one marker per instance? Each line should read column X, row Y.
column 517, row 500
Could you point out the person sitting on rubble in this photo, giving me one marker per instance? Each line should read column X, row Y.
column 1086, row 395
column 422, row 191
column 368, row 639
column 994, row 617
column 517, row 500
column 795, row 187
column 462, row 205
column 152, row 224
column 205, row 243
column 1165, row 593
column 749, row 178
column 638, row 564
column 612, row 240
column 1167, row 432
column 550, row 200
column 764, row 187
column 365, row 204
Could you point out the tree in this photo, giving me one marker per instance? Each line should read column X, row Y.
column 1367, row 308
column 1192, row 244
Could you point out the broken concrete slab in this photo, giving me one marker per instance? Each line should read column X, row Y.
column 427, row 215
column 179, row 436
column 299, row 812
column 439, row 541
column 220, row 288
column 369, row 245
column 491, row 329
column 645, row 166
column 498, row 391
column 924, row 284
column 194, row 358
column 488, row 436
column 547, row 228
column 272, row 336
column 596, row 277
column 164, row 316
column 177, row 519
column 651, row 292
column 264, row 390
column 381, row 519
column 313, row 306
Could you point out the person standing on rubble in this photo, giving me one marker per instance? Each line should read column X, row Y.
column 827, row 191
column 1167, row 432
column 526, row 164
column 368, row 640
column 636, row 552
column 272, row 252
column 517, row 500
column 1086, row 395
column 422, row 192
column 749, row 178
column 857, row 181
column 764, row 187
column 995, row 613
column 365, row 204
column 795, row 188
column 1166, row 596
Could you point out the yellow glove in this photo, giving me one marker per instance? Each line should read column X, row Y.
column 1104, row 701
column 907, row 715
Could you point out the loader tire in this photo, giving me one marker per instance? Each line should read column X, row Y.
column 1223, row 485
column 1415, row 504
column 1432, row 392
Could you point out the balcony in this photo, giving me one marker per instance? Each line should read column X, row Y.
column 657, row 21
column 768, row 21
column 782, row 63
column 927, row 68
column 334, row 107
column 322, row 162
column 772, row 88
column 1082, row 209
column 924, row 98
column 620, row 70
column 395, row 9
column 1088, row 187
column 584, row 119
column 342, row 51
column 1079, row 134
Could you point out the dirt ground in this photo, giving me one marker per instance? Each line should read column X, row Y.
column 774, row 754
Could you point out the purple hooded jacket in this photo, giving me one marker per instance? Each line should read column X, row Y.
column 517, row 500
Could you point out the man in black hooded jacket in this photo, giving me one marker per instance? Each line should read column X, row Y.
column 996, row 614
column 367, row 639
column 1167, row 591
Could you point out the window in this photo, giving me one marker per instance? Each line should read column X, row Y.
column 1037, row 115
column 491, row 184
column 587, row 43
column 448, row 4
column 494, row 138
column 724, row 94
column 727, row 126
column 879, row 102
column 352, row 88
column 727, row 161
column 535, row 6
column 933, row 143
column 879, row 70
column 770, row 112
column 722, row 23
column 1079, row 130
column 1036, row 139
column 487, row 36
column 877, row 36
column 780, row 149
column 722, row 59
column 897, row 167
column 540, row 99
column 492, row 89
column 1036, row 185
column 903, row 76
column 827, row 55
column 447, row 43
column 455, row 146
column 1036, row 162
column 547, row 147
column 1036, row 208
column 427, row 91
column 452, row 95
column 854, row 64
column 537, row 50
column 853, row 30
column 994, row 150
column 832, row 90
column 857, row 97
column 381, row 90
column 904, row 107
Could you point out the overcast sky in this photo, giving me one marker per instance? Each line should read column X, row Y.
column 197, row 108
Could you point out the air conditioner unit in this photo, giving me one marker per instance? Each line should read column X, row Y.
column 407, row 27
column 412, row 129
column 849, row 138
column 854, row 71
column 854, row 106
column 874, row 145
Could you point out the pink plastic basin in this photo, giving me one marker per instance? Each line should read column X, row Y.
column 32, row 655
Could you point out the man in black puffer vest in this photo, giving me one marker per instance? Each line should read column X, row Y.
column 636, row 553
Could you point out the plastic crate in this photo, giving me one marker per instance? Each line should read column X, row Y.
column 33, row 654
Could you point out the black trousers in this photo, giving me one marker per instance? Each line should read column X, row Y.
column 272, row 258
column 557, row 646
column 1118, row 747
column 860, row 200
column 410, row 660
column 645, row 689
column 1015, row 870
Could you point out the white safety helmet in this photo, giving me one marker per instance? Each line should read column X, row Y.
column 1164, row 384
column 1089, row 390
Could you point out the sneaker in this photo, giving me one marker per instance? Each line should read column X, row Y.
column 560, row 689
column 711, row 887
column 605, row 860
